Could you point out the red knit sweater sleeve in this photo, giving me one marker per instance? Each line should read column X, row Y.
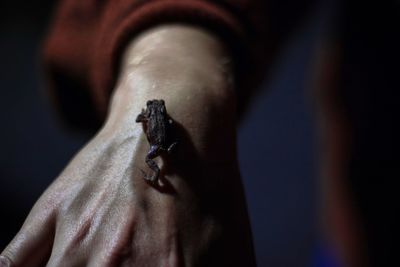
column 85, row 41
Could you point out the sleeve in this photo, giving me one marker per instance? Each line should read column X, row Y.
column 85, row 41
column 81, row 52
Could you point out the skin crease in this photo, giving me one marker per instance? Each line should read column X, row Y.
column 101, row 212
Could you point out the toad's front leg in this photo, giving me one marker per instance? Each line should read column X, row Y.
column 153, row 153
column 142, row 117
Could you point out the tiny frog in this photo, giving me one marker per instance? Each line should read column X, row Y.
column 157, row 126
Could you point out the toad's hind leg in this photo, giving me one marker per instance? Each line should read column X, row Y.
column 153, row 153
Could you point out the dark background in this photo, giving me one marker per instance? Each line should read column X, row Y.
column 277, row 137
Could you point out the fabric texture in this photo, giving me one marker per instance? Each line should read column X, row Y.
column 84, row 44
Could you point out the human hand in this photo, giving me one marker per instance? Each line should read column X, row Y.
column 101, row 212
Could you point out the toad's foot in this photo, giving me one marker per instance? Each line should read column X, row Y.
column 150, row 178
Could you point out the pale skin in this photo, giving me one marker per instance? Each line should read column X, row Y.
column 101, row 212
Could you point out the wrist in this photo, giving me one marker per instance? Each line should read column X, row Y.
column 197, row 89
column 183, row 62
column 177, row 51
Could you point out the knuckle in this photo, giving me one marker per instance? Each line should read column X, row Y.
column 5, row 260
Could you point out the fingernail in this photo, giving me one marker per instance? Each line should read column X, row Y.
column 4, row 262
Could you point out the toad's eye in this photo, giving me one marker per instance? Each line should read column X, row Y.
column 162, row 109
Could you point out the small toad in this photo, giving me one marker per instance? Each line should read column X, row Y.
column 157, row 126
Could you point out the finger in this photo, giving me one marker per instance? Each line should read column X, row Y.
column 32, row 245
